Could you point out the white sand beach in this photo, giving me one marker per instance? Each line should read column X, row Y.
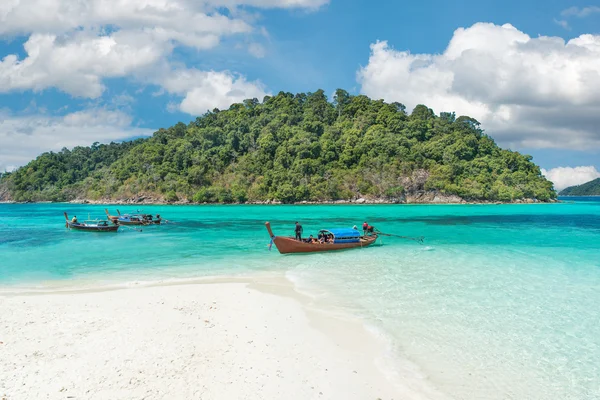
column 220, row 339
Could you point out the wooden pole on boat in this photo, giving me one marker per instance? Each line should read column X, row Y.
column 268, row 225
column 67, row 219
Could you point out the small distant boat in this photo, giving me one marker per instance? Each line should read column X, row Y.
column 343, row 238
column 129, row 220
column 91, row 225
column 150, row 219
column 133, row 219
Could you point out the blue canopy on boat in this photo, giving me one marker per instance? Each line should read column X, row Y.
column 344, row 232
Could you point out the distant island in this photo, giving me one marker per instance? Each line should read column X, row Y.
column 292, row 148
column 591, row 188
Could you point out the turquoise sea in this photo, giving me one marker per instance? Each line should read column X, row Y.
column 500, row 302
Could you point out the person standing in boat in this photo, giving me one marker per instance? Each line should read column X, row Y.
column 298, row 230
column 74, row 219
column 365, row 227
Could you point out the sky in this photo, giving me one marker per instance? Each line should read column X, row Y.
column 73, row 72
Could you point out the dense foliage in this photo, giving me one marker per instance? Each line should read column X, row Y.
column 58, row 176
column 591, row 188
column 292, row 148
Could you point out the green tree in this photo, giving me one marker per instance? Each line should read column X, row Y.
column 340, row 100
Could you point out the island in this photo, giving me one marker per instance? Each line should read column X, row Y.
column 292, row 148
column 591, row 188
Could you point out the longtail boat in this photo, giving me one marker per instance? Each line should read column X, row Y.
column 133, row 219
column 149, row 218
column 342, row 238
column 91, row 225
column 130, row 220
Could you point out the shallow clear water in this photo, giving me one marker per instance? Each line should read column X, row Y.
column 501, row 301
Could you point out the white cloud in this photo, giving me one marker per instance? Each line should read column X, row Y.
column 309, row 4
column 58, row 16
column 531, row 92
column 73, row 45
column 25, row 137
column 580, row 12
column 77, row 64
column 563, row 23
column 205, row 90
column 563, row 177
column 123, row 100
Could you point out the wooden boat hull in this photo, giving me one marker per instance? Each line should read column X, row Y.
column 149, row 221
column 121, row 222
column 79, row 227
column 287, row 245
column 140, row 222
column 90, row 228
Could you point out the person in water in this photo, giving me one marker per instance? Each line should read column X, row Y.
column 298, row 231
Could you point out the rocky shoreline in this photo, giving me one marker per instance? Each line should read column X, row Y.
column 414, row 197
column 414, row 193
column 421, row 197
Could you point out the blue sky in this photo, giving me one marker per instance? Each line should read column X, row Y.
column 104, row 75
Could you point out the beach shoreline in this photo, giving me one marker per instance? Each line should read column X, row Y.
column 301, row 203
column 250, row 337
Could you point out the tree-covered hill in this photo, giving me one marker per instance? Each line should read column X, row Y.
column 591, row 188
column 291, row 148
